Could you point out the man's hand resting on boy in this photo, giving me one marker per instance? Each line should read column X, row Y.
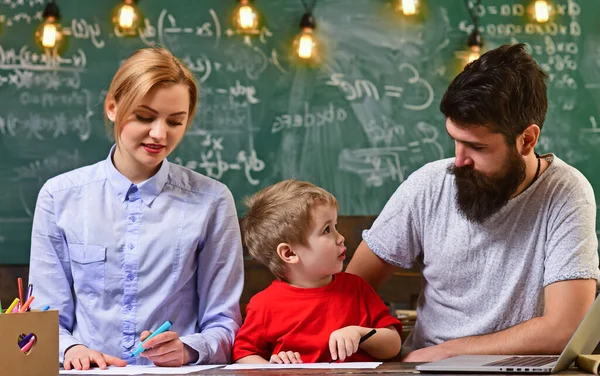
column 286, row 357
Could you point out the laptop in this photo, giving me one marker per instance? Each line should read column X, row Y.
column 584, row 341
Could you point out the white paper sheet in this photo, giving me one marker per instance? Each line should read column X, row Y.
column 349, row 365
column 138, row 370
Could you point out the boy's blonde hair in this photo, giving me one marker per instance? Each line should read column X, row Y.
column 144, row 70
column 281, row 213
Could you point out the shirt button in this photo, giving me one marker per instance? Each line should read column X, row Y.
column 132, row 218
column 133, row 189
column 130, row 277
column 128, row 307
column 131, row 246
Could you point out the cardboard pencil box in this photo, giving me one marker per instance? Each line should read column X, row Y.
column 42, row 358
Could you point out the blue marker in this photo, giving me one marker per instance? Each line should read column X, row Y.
column 46, row 308
column 163, row 328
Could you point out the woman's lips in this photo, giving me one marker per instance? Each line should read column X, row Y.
column 153, row 148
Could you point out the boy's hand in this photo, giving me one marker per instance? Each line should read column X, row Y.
column 344, row 342
column 167, row 350
column 286, row 357
column 79, row 357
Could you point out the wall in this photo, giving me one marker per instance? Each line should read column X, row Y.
column 357, row 124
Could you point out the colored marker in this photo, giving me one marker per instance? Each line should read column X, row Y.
column 46, row 308
column 28, row 345
column 25, row 306
column 0, row 306
column 367, row 336
column 12, row 305
column 25, row 339
column 163, row 328
column 20, row 284
column 29, row 293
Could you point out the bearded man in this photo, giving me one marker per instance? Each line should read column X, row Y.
column 505, row 239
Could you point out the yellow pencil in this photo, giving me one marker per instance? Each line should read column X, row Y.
column 10, row 307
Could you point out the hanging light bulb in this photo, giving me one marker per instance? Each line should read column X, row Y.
column 126, row 17
column 305, row 44
column 246, row 17
column 475, row 42
column 408, row 7
column 541, row 11
column 49, row 34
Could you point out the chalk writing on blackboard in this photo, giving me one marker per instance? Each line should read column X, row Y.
column 358, row 89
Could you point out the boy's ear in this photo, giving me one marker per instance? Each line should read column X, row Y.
column 285, row 252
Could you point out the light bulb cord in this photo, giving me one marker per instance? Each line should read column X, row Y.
column 307, row 8
column 473, row 12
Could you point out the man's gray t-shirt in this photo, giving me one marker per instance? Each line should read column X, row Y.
column 483, row 278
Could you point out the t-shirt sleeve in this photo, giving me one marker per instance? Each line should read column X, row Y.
column 379, row 314
column 251, row 339
column 572, row 243
column 395, row 235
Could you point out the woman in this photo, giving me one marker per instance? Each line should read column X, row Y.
column 120, row 246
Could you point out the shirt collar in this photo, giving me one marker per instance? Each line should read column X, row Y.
column 152, row 187
column 149, row 189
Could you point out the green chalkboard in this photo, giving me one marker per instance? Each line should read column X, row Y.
column 357, row 125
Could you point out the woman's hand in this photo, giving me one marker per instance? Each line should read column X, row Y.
column 80, row 357
column 167, row 350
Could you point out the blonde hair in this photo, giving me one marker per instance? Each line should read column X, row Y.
column 146, row 69
column 281, row 213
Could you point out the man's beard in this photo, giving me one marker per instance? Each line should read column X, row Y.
column 479, row 196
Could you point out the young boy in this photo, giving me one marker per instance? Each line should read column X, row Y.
column 313, row 312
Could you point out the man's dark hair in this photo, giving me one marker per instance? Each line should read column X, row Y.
column 504, row 90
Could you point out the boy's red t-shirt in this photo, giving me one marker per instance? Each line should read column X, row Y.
column 287, row 318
